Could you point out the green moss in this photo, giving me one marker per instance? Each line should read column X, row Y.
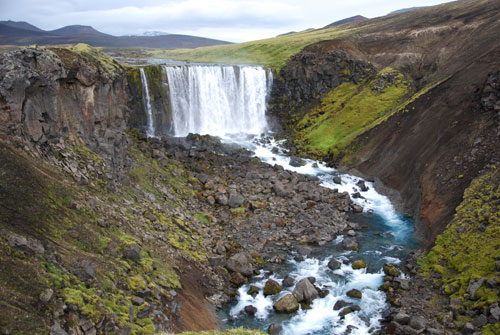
column 347, row 112
column 136, row 283
column 469, row 246
column 202, row 217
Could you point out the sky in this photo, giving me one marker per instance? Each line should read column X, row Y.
column 229, row 20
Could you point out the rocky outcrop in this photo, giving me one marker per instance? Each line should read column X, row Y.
column 64, row 96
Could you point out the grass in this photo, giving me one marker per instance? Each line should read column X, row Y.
column 272, row 52
column 347, row 112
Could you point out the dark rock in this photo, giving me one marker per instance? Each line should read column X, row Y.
column 418, row 322
column 274, row 329
column 357, row 208
column 433, row 331
column 337, row 180
column 354, row 294
column 287, row 304
column 356, row 195
column 323, row 293
column 474, row 286
column 312, row 280
column 83, row 269
column 137, row 301
column 56, row 329
column 217, row 261
column 468, row 328
column 495, row 312
column 132, row 252
column 253, row 291
column 235, row 200
column 305, row 291
column 272, row 287
column 350, row 243
column 304, row 251
column 288, row 281
column 26, row 244
column 402, row 318
column 297, row 161
column 340, row 304
column 362, row 186
column 334, row 264
column 349, row 310
column 240, row 263
column 250, row 310
column 404, row 284
column 238, row 279
column 480, row 321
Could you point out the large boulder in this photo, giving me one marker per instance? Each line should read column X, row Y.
column 235, row 200
column 359, row 264
column 132, row 252
column 305, row 291
column 240, row 263
column 272, row 287
column 275, row 329
column 350, row 243
column 287, row 304
column 334, row 264
column 83, row 269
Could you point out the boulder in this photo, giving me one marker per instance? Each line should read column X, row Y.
column 418, row 322
column 354, row 294
column 480, row 321
column 362, row 186
column 297, row 161
column 468, row 328
column 235, row 200
column 132, row 252
column 474, row 286
column 340, row 304
column 350, row 243
column 274, row 329
column 304, row 251
column 390, row 270
column 337, row 180
column 237, row 279
column 334, row 264
column 287, row 304
column 305, row 291
column 288, row 281
column 250, row 310
column 402, row 318
column 253, row 291
column 272, row 287
column 359, row 264
column 349, row 310
column 56, row 329
column 26, row 244
column 240, row 263
column 83, row 269
column 357, row 208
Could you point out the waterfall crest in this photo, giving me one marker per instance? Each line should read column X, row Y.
column 218, row 100
column 150, row 131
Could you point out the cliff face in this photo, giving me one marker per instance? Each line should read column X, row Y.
column 65, row 96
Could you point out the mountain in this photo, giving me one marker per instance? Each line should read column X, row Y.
column 356, row 18
column 23, row 33
column 403, row 10
column 76, row 30
column 21, row 25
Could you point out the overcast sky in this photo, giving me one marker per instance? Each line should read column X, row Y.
column 230, row 20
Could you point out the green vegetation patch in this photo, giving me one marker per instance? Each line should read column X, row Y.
column 350, row 110
column 470, row 246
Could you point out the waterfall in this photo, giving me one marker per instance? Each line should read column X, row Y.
column 218, row 100
column 150, row 131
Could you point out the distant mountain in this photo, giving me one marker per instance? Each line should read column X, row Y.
column 405, row 10
column 76, row 30
column 285, row 34
column 357, row 18
column 21, row 25
column 23, row 33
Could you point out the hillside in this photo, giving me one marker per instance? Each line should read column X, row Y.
column 22, row 33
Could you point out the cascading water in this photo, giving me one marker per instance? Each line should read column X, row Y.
column 224, row 100
column 150, row 131
column 218, row 100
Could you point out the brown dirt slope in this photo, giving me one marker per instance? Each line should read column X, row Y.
column 431, row 151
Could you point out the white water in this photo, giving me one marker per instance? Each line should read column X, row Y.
column 223, row 100
column 150, row 131
column 218, row 100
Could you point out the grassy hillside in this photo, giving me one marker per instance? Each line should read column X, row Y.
column 272, row 52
